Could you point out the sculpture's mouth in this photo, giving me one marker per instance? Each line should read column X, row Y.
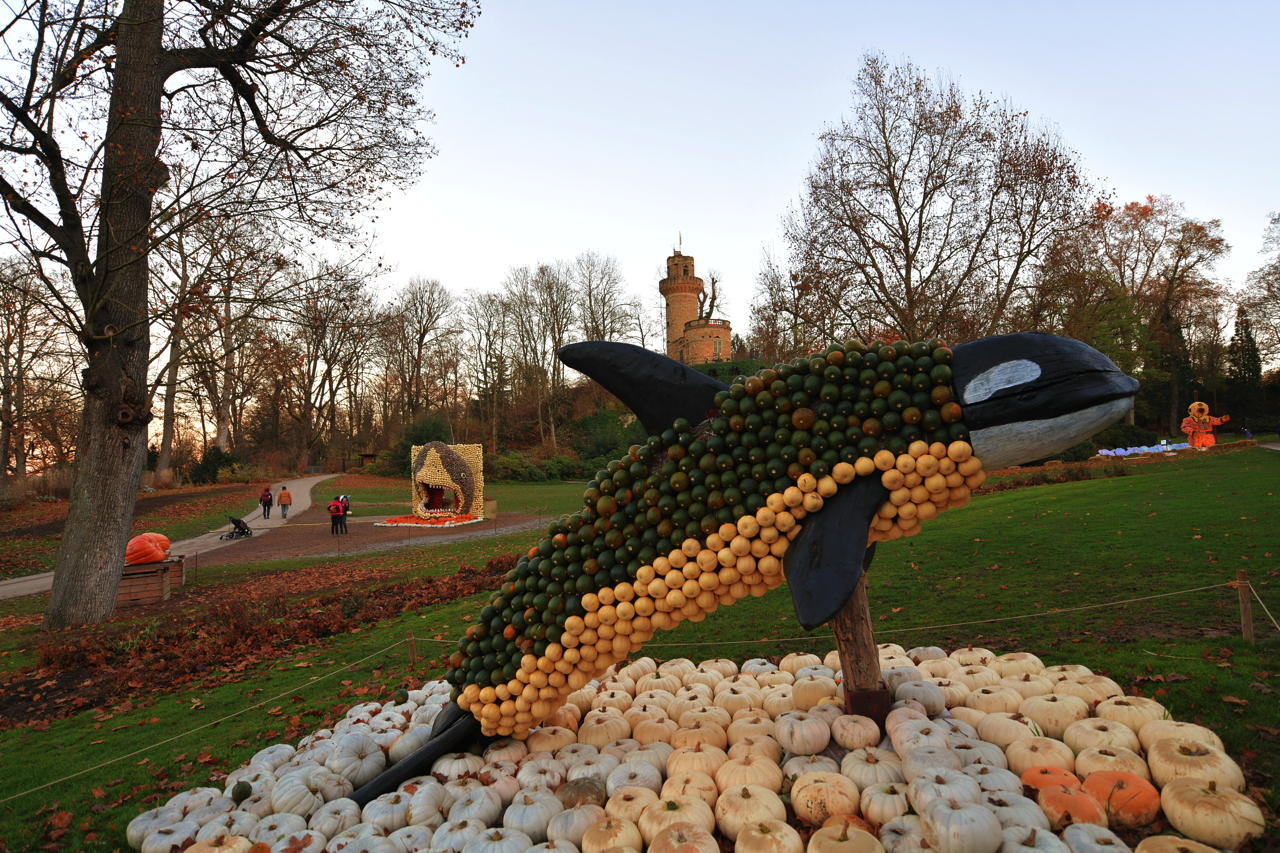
column 439, row 499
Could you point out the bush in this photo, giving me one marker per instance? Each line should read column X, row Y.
column 513, row 466
column 214, row 460
column 726, row 371
column 604, row 433
column 1075, row 453
column 1126, row 435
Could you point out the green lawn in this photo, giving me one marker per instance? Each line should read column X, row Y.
column 1038, row 551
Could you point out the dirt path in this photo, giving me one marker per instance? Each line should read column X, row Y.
column 307, row 535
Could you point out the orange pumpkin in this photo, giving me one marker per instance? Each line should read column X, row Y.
column 144, row 548
column 1129, row 799
column 159, row 538
column 1047, row 776
column 1065, row 806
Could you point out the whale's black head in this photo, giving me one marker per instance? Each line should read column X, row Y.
column 1029, row 395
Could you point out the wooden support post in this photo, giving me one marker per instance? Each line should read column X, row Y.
column 413, row 652
column 1246, row 605
column 859, row 657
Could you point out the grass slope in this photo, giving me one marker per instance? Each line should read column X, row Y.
column 1034, row 551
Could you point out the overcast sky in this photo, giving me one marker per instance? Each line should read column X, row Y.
column 614, row 127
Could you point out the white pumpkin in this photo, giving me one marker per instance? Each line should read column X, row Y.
column 412, row 837
column 1022, row 755
column 358, row 758
column 1053, row 712
column 296, row 795
column 817, row 796
column 530, row 812
column 426, row 801
column 853, row 731
column 662, row 813
column 571, row 824
column 482, row 804
column 801, row 733
column 954, row 826
column 505, row 749
column 334, row 817
column 942, row 784
column 630, row 803
column 1027, row 684
column 749, row 770
column 271, row 829
column 1160, row 729
column 540, row 773
column 884, row 801
column 1017, row 663
column 1099, row 732
column 769, row 836
column 149, row 821
column 232, row 823
column 1110, row 758
column 904, row 834
column 634, row 774
column 307, row 841
column 920, row 760
column 388, row 812
column 498, row 841
column 870, row 765
column 1003, row 729
column 1090, row 838
column 953, row 692
column 992, row 779
column 611, row 833
column 272, row 756
column 744, row 805
column 977, row 751
column 1015, row 810
column 1211, row 813
column 175, row 836
column 1031, row 839
column 992, row 698
column 929, row 694
column 1174, row 758
column 937, row 668
column 692, row 783
column 765, row 746
column 455, row 835
column 973, row 656
column 798, row 765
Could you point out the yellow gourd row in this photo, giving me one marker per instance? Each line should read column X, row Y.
column 736, row 561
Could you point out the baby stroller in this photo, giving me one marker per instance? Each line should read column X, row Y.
column 239, row 530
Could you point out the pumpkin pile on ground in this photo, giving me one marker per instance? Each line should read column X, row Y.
column 982, row 753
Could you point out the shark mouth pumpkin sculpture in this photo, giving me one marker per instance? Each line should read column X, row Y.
column 796, row 472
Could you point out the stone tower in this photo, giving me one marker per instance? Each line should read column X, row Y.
column 690, row 338
column 681, row 289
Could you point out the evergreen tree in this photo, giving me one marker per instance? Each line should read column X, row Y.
column 1244, row 368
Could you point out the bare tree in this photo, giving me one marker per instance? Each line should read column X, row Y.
column 487, row 325
column 540, row 303
column 414, row 329
column 602, row 306
column 709, row 298
column 924, row 212
column 311, row 102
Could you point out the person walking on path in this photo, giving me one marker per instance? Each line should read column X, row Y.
column 285, row 500
column 265, row 500
column 346, row 510
column 335, row 516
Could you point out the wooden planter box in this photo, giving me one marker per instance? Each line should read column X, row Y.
column 147, row 583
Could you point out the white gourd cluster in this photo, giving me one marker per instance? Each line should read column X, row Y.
column 982, row 753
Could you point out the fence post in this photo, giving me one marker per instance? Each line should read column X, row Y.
column 413, row 652
column 1246, row 605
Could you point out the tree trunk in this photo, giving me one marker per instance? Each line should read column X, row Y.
column 164, row 459
column 113, row 429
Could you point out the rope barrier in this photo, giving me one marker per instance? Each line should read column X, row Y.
column 1264, row 607
column 893, row 631
column 150, row 747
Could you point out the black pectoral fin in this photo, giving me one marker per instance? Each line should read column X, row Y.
column 454, row 730
column 658, row 389
column 825, row 561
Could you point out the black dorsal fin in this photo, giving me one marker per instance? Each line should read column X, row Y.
column 658, row 389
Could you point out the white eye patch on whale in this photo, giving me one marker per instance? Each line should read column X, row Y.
column 1032, row 376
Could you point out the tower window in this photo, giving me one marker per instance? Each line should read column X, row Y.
column 686, row 270
column 715, row 346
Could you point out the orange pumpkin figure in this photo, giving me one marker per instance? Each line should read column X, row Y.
column 146, row 548
column 1199, row 424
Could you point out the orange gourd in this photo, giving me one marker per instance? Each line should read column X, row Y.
column 1065, row 806
column 1129, row 799
column 1047, row 776
column 145, row 548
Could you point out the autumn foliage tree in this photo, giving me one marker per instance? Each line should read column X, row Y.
column 300, row 111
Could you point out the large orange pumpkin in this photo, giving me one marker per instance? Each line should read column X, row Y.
column 1129, row 799
column 1046, row 776
column 1065, row 806
column 145, row 548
